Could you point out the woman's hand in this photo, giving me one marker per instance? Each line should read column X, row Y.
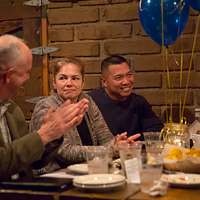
column 58, row 121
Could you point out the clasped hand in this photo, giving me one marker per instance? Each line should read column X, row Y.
column 58, row 121
column 123, row 138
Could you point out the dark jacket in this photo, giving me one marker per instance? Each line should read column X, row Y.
column 25, row 148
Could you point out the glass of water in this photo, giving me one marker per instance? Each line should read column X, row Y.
column 150, row 172
column 153, row 142
column 130, row 160
column 97, row 160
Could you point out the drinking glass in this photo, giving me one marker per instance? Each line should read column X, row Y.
column 130, row 160
column 97, row 160
column 152, row 135
column 153, row 142
column 150, row 172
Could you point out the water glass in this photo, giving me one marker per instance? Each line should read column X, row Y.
column 130, row 159
column 153, row 142
column 97, row 160
column 150, row 172
column 152, row 135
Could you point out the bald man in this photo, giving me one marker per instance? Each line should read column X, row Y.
column 18, row 149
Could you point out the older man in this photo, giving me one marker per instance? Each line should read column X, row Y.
column 123, row 110
column 18, row 149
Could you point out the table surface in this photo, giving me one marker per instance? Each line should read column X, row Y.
column 122, row 193
column 130, row 191
column 172, row 194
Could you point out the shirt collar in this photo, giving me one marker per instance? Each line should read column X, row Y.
column 3, row 108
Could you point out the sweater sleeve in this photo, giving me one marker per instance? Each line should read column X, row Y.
column 49, row 155
column 41, row 108
column 72, row 150
column 99, row 126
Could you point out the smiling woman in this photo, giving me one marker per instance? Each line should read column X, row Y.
column 68, row 81
column 90, row 130
column 68, row 78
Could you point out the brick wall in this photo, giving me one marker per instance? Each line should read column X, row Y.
column 94, row 29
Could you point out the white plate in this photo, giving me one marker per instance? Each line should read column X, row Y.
column 182, row 179
column 99, row 187
column 99, row 179
column 78, row 168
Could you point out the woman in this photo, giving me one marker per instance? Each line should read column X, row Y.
column 68, row 82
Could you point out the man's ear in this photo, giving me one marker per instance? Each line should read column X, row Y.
column 103, row 82
column 6, row 77
column 2, row 78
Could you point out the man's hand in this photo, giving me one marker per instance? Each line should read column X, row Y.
column 132, row 138
column 122, row 138
column 59, row 121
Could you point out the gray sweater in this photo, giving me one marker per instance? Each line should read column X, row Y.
column 71, row 150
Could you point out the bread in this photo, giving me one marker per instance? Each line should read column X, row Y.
column 181, row 159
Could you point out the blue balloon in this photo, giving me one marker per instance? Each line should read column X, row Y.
column 195, row 4
column 175, row 16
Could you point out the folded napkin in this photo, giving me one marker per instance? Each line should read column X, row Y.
column 116, row 167
column 158, row 189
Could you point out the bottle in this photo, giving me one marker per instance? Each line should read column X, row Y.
column 197, row 118
column 195, row 130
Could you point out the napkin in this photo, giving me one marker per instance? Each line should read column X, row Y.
column 116, row 167
column 158, row 189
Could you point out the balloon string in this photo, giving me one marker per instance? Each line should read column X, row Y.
column 180, row 113
column 181, row 65
column 169, row 85
column 181, row 69
column 173, row 79
column 190, row 64
column 181, row 81
column 165, row 91
column 169, row 115
column 171, row 93
column 164, row 58
column 167, row 67
column 166, row 70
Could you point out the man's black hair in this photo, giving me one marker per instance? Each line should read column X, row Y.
column 112, row 60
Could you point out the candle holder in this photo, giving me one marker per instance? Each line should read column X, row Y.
column 176, row 134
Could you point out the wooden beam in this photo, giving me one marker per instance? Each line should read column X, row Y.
column 45, row 58
column 18, row 12
column 10, row 26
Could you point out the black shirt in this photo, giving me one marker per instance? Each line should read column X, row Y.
column 133, row 115
column 84, row 133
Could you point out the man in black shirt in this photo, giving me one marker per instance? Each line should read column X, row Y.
column 123, row 110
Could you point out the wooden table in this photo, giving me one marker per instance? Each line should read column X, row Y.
column 172, row 194
column 120, row 194
column 71, row 194
column 27, row 195
column 129, row 192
